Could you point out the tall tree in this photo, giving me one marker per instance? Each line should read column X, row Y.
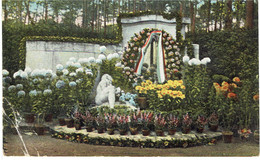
column 208, row 16
column 192, row 16
column 85, row 13
column 5, row 10
column 228, row 23
column 28, row 13
column 249, row 14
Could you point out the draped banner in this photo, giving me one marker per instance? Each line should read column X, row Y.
column 161, row 70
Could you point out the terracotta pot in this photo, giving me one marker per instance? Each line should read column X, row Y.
column 122, row 131
column 159, row 132
column 48, row 117
column 142, row 101
column 200, row 129
column 29, row 117
column 89, row 128
column 227, row 136
column 186, row 130
column 133, row 131
column 100, row 130
column 213, row 127
column 171, row 131
column 110, row 131
column 146, row 132
column 77, row 126
column 62, row 121
column 69, row 122
column 39, row 129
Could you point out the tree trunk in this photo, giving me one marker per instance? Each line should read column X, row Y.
column 46, row 10
column 105, row 19
column 228, row 24
column 237, row 13
column 5, row 11
column 93, row 15
column 208, row 16
column 181, row 8
column 85, row 18
column 249, row 14
column 119, row 7
column 192, row 17
column 134, row 5
column 221, row 16
column 28, row 13
column 129, row 6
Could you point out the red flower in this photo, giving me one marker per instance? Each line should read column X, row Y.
column 231, row 95
column 236, row 79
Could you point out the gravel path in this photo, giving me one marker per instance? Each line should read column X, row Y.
column 47, row 146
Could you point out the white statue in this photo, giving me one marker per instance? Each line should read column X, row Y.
column 105, row 91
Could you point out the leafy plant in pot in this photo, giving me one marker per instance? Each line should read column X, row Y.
column 146, row 119
column 111, row 122
column 133, row 124
column 213, row 122
column 123, row 124
column 159, row 123
column 172, row 123
column 100, row 122
column 77, row 120
column 88, row 121
column 186, row 123
column 200, row 123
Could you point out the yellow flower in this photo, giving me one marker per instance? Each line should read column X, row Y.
column 160, row 96
column 183, row 87
column 166, row 143
column 137, row 87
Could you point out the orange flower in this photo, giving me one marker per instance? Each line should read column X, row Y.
column 233, row 85
column 224, row 83
column 216, row 85
column 236, row 79
column 231, row 95
column 224, row 88
column 256, row 97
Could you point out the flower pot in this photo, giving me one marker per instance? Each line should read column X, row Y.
column 29, row 117
column 171, row 131
column 110, row 131
column 39, row 129
column 100, row 130
column 227, row 136
column 256, row 136
column 77, row 126
column 200, row 129
column 186, row 130
column 89, row 128
column 159, row 132
column 48, row 117
column 213, row 127
column 146, row 132
column 142, row 101
column 62, row 121
column 133, row 131
column 122, row 131
column 69, row 122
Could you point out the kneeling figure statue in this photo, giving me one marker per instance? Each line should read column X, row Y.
column 105, row 91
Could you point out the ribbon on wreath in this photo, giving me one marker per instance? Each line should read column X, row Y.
column 161, row 69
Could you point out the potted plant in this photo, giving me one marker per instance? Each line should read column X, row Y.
column 111, row 123
column 123, row 124
column 146, row 119
column 133, row 124
column 77, row 120
column 173, row 123
column 200, row 123
column 244, row 133
column 88, row 121
column 142, row 99
column 213, row 122
column 47, row 95
column 159, row 123
column 186, row 123
column 100, row 121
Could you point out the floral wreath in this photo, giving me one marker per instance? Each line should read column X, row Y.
column 132, row 53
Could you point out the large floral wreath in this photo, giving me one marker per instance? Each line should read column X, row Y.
column 132, row 54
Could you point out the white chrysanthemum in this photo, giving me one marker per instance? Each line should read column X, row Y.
column 5, row 72
column 102, row 57
column 186, row 59
column 110, row 56
column 24, row 75
column 18, row 73
column 54, row 75
column 59, row 67
column 77, row 65
column 91, row 60
column 72, row 84
column 115, row 55
column 47, row 92
column 118, row 64
column 19, row 86
column 79, row 70
column 73, row 74
column 28, row 70
column 127, row 68
column 98, row 61
column 21, row 94
column 73, row 59
column 69, row 63
column 65, row 72
column 103, row 49
column 33, row 93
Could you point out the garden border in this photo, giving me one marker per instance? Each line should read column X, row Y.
column 134, row 140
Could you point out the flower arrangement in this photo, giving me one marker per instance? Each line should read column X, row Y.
column 122, row 121
column 244, row 133
column 128, row 98
column 186, row 121
column 213, row 119
column 110, row 120
column 101, row 122
column 159, row 122
column 201, row 121
column 133, row 120
column 146, row 119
